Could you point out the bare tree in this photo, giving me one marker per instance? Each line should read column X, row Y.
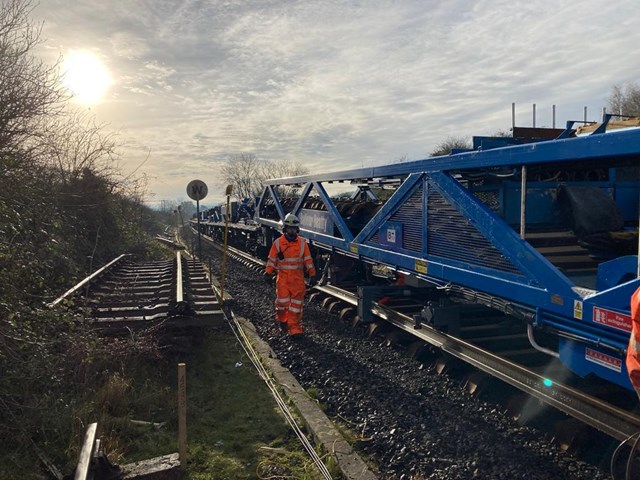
column 74, row 143
column 625, row 100
column 29, row 89
column 248, row 173
column 445, row 147
column 284, row 169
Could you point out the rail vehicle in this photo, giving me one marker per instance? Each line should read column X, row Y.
column 541, row 225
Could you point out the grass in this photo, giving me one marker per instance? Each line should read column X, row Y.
column 230, row 411
column 235, row 430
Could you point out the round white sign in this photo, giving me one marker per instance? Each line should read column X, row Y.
column 197, row 190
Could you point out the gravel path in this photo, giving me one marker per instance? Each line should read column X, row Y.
column 414, row 423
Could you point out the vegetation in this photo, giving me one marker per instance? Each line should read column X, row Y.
column 247, row 173
column 449, row 144
column 65, row 209
column 625, row 100
column 235, row 430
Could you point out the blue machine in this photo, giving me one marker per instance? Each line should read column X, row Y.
column 546, row 230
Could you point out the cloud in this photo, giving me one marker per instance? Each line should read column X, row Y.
column 338, row 84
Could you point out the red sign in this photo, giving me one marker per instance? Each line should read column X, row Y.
column 603, row 359
column 612, row 319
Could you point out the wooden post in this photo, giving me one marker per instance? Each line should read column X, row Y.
column 182, row 414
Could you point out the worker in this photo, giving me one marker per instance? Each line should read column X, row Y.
column 290, row 257
column 633, row 351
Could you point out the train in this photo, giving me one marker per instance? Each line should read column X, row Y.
column 541, row 225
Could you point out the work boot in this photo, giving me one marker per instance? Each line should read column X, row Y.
column 283, row 326
column 296, row 337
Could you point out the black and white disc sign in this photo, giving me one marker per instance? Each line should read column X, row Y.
column 197, row 190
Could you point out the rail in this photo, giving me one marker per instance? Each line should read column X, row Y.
column 87, row 280
column 89, row 448
column 615, row 422
column 179, row 286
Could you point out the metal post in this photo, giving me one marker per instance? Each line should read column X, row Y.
column 513, row 115
column 199, row 235
column 224, row 253
column 523, row 200
column 553, row 109
column 585, row 114
column 534, row 115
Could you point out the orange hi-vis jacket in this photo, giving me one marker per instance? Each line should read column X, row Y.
column 290, row 259
column 633, row 351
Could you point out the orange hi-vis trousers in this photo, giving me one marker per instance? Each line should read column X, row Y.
column 290, row 259
column 633, row 351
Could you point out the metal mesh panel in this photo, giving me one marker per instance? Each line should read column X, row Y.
column 411, row 216
column 491, row 198
column 450, row 235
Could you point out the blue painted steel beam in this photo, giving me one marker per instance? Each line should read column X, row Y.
column 271, row 191
column 333, row 211
column 303, row 196
column 400, row 195
column 614, row 144
column 528, row 260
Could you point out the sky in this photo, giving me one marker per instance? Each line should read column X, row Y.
column 333, row 84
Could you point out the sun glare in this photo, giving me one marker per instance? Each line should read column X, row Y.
column 86, row 77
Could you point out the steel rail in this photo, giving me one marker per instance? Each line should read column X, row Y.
column 234, row 251
column 87, row 280
column 612, row 421
column 179, row 287
column 86, row 453
column 592, row 411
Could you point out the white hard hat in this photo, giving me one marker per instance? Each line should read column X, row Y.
column 290, row 220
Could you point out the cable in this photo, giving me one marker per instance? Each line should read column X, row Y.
column 242, row 338
column 632, row 454
column 629, row 465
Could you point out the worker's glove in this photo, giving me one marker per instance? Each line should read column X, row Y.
column 268, row 278
column 312, row 281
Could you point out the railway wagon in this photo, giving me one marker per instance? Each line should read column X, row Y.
column 542, row 225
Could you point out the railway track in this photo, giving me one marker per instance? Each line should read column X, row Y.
column 126, row 294
column 533, row 373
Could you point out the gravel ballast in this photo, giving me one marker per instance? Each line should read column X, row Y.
column 411, row 422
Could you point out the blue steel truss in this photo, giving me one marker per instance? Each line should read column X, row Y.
column 471, row 246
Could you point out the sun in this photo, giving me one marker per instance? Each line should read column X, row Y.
column 86, row 77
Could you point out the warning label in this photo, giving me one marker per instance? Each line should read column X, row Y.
column 612, row 319
column 421, row 266
column 604, row 360
column 577, row 309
